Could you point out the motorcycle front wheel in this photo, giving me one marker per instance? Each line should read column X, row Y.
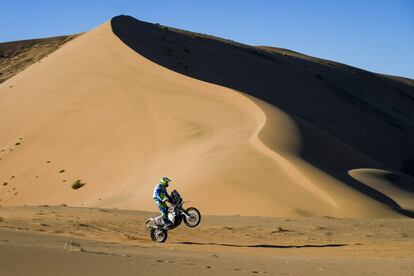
column 158, row 234
column 194, row 218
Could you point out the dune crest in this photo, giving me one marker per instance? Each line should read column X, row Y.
column 399, row 187
column 117, row 120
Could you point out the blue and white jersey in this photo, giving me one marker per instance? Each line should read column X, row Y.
column 160, row 192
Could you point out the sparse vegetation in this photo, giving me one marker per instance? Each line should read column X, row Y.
column 61, row 171
column 280, row 230
column 5, row 184
column 77, row 184
column 17, row 144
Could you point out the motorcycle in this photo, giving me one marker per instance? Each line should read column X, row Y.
column 176, row 214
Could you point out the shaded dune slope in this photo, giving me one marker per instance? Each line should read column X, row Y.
column 242, row 130
column 327, row 94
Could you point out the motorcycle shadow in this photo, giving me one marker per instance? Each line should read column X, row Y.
column 265, row 245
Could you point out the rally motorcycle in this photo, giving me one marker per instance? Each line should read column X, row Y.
column 176, row 214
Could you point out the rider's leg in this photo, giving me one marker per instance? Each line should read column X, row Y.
column 164, row 212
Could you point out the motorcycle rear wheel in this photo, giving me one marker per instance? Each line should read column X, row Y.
column 195, row 217
column 159, row 234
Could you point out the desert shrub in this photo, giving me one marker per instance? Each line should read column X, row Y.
column 77, row 184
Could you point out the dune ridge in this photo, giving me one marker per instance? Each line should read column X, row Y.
column 15, row 56
column 288, row 167
column 118, row 119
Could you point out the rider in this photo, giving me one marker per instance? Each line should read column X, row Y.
column 161, row 196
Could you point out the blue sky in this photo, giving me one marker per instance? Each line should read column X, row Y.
column 377, row 35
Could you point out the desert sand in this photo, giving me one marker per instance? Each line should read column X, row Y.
column 59, row 240
column 241, row 130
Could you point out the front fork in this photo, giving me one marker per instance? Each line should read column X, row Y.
column 184, row 212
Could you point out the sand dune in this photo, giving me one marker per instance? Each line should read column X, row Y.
column 241, row 130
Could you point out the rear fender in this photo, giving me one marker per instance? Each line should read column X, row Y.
column 153, row 222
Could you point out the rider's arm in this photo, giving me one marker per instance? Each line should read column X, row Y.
column 165, row 196
column 169, row 197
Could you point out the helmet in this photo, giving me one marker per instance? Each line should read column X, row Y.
column 164, row 181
